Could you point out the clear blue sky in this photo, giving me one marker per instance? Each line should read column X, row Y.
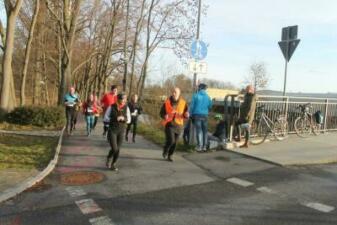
column 240, row 32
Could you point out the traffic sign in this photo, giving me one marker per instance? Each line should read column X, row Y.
column 198, row 50
column 197, row 67
column 289, row 41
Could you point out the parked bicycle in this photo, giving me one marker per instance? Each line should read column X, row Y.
column 307, row 123
column 263, row 126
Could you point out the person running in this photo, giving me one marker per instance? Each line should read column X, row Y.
column 247, row 113
column 118, row 114
column 70, row 100
column 200, row 105
column 89, row 110
column 99, row 110
column 107, row 100
column 173, row 112
column 135, row 110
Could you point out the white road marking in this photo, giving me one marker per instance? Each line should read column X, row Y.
column 264, row 189
column 88, row 206
column 103, row 220
column 240, row 182
column 319, row 206
column 75, row 192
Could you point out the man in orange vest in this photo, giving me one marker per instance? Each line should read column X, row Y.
column 173, row 112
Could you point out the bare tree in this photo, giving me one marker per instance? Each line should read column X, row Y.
column 258, row 76
column 8, row 100
column 27, row 52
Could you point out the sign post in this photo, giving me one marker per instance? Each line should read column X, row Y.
column 288, row 45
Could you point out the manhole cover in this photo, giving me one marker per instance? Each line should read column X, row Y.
column 82, row 178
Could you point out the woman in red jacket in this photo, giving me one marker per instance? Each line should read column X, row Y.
column 89, row 110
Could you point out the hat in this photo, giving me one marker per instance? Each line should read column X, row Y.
column 202, row 86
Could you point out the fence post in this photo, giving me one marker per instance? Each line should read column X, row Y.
column 326, row 113
column 287, row 108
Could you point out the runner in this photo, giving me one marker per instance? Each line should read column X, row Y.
column 89, row 110
column 135, row 110
column 70, row 100
column 118, row 114
column 173, row 112
column 107, row 100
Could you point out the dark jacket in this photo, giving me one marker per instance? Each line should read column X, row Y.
column 133, row 107
column 247, row 108
column 174, row 105
column 114, row 125
column 220, row 130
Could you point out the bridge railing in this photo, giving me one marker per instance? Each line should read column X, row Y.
column 289, row 106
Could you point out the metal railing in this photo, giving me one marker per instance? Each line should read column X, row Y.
column 289, row 106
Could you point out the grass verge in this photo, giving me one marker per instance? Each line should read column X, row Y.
column 26, row 152
column 17, row 127
column 157, row 136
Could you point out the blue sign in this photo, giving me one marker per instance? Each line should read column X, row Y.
column 198, row 50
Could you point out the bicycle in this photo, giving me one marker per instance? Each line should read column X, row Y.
column 305, row 124
column 263, row 126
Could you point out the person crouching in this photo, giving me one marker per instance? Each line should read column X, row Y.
column 173, row 112
column 118, row 114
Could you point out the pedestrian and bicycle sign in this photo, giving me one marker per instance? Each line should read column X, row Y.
column 197, row 67
column 198, row 50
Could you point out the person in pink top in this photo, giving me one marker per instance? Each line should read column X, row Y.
column 107, row 100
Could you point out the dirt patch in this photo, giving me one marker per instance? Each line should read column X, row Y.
column 82, row 178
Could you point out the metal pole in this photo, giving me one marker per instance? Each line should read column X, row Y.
column 195, row 75
column 285, row 78
column 125, row 45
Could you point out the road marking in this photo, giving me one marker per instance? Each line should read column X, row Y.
column 264, row 189
column 319, row 206
column 240, row 182
column 103, row 220
column 75, row 192
column 88, row 206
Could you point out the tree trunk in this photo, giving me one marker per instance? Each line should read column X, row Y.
column 27, row 53
column 8, row 101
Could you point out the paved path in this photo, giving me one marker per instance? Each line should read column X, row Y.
column 209, row 188
column 296, row 151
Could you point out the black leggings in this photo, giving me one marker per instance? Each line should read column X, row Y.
column 172, row 136
column 115, row 140
column 71, row 118
column 95, row 122
column 134, row 130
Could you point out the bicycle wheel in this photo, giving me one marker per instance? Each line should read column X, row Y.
column 280, row 129
column 259, row 133
column 302, row 127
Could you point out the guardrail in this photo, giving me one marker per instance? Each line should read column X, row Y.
column 288, row 105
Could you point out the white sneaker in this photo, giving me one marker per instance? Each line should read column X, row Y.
column 198, row 149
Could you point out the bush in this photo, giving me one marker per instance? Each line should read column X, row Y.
column 3, row 115
column 37, row 116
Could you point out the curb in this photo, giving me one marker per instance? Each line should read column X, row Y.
column 31, row 133
column 12, row 192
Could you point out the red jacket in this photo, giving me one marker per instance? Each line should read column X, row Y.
column 90, row 108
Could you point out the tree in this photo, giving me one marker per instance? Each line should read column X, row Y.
column 258, row 76
column 8, row 100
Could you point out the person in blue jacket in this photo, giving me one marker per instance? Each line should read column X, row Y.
column 71, row 99
column 200, row 105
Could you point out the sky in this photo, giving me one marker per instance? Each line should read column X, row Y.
column 241, row 32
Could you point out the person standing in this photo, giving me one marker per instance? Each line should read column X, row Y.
column 135, row 110
column 173, row 112
column 70, row 100
column 107, row 100
column 118, row 114
column 247, row 113
column 200, row 105
column 89, row 110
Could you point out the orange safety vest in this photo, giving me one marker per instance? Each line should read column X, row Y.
column 174, row 115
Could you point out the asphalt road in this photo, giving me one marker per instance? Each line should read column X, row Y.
column 199, row 188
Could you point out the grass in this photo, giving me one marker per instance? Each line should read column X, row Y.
column 156, row 135
column 26, row 152
column 16, row 127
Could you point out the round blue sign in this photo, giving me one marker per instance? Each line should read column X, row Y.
column 198, row 50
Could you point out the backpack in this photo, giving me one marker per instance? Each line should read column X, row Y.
column 319, row 117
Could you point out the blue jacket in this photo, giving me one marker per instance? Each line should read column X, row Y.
column 201, row 103
column 71, row 99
